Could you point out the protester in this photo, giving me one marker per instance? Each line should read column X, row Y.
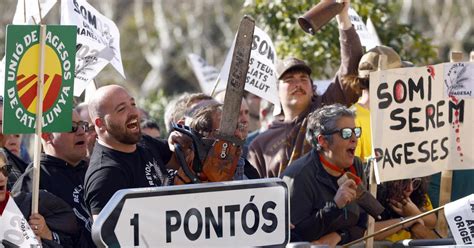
column 55, row 221
column 91, row 135
column 403, row 199
column 244, row 169
column 176, row 110
column 18, row 166
column 369, row 63
column 284, row 141
column 151, row 128
column 122, row 157
column 13, row 143
column 320, row 210
column 253, row 102
column 62, row 173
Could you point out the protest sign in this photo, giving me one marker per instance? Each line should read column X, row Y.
column 367, row 39
column 21, row 78
column 416, row 129
column 261, row 76
column 252, row 213
column 205, row 73
column 460, row 217
column 98, row 42
column 14, row 228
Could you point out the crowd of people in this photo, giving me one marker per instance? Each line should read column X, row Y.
column 113, row 145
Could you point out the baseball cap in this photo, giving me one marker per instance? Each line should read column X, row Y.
column 291, row 63
column 370, row 61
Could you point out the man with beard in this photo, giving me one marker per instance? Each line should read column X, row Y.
column 284, row 141
column 62, row 174
column 122, row 157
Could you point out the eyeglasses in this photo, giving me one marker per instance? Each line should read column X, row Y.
column 5, row 169
column 346, row 133
column 76, row 125
column 415, row 183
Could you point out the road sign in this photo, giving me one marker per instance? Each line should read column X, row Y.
column 224, row 214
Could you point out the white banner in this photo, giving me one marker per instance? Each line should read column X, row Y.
column 14, row 228
column 98, row 41
column 460, row 217
column 261, row 76
column 29, row 13
column 205, row 73
column 367, row 39
column 416, row 130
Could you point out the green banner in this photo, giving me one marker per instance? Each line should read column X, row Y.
column 21, row 78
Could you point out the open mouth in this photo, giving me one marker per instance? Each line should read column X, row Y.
column 3, row 188
column 80, row 143
column 133, row 124
column 351, row 151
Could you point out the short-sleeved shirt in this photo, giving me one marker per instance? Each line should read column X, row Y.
column 111, row 170
column 364, row 146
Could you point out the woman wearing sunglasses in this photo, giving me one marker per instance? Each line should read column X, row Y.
column 324, row 209
column 53, row 225
column 403, row 199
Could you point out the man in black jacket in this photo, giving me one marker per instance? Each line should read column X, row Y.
column 62, row 173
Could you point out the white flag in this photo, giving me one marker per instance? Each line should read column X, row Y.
column 261, row 76
column 205, row 73
column 29, row 13
column 98, row 41
column 14, row 228
column 368, row 39
column 373, row 32
column 460, row 217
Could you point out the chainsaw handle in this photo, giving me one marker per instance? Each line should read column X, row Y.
column 182, row 162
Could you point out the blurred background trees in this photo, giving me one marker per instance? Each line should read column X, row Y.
column 157, row 35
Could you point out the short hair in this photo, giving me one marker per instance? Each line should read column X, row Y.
column 175, row 110
column 202, row 118
column 148, row 123
column 324, row 120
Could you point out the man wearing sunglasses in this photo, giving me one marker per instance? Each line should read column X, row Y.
column 321, row 210
column 284, row 141
column 63, row 169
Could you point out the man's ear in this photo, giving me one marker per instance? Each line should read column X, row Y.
column 47, row 136
column 99, row 122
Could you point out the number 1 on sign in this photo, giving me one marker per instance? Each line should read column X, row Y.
column 134, row 223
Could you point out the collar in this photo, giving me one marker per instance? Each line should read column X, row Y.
column 333, row 167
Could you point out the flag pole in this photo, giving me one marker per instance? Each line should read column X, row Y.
column 39, row 117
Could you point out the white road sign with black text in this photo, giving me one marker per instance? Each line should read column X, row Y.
column 227, row 214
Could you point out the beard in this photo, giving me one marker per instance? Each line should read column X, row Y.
column 121, row 133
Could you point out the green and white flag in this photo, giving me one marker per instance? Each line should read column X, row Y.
column 21, row 78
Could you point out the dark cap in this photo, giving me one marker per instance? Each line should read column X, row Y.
column 291, row 63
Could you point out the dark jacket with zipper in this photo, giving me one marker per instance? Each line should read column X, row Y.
column 313, row 210
column 66, row 182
